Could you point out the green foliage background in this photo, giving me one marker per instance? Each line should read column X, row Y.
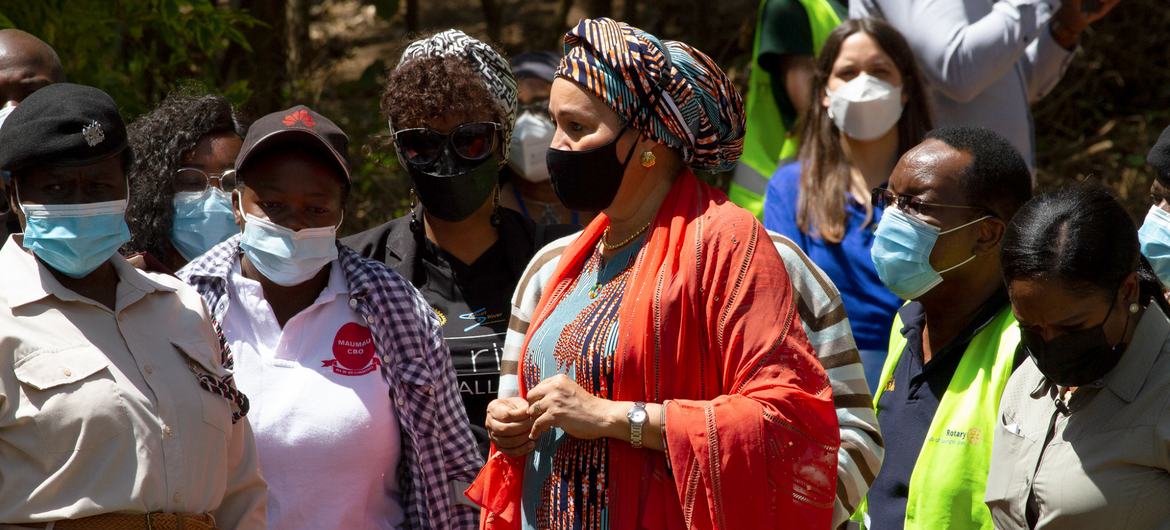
column 1098, row 123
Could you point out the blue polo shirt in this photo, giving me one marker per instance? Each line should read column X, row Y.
column 869, row 305
column 908, row 403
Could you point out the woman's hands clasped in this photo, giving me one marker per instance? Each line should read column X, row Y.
column 515, row 423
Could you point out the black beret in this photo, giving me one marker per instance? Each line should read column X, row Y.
column 1159, row 157
column 62, row 125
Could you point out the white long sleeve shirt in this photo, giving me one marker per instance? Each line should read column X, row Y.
column 985, row 61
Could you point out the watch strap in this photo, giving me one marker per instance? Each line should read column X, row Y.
column 636, row 426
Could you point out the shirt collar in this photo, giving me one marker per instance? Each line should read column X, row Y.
column 336, row 285
column 27, row 280
column 1149, row 338
column 913, row 317
column 215, row 263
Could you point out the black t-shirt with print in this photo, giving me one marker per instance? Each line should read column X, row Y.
column 473, row 303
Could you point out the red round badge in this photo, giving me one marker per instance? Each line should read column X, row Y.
column 353, row 350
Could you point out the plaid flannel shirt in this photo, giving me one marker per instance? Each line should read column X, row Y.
column 439, row 457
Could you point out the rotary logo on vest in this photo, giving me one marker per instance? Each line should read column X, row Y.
column 972, row 436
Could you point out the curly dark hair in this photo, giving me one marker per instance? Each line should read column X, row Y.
column 159, row 140
column 426, row 88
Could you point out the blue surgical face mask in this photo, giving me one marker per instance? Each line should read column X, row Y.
column 285, row 256
column 1155, row 238
column 75, row 239
column 203, row 219
column 901, row 253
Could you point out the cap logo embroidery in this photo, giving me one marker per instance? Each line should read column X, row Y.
column 301, row 117
column 93, row 133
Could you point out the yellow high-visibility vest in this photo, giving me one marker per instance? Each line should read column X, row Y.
column 766, row 140
column 950, row 475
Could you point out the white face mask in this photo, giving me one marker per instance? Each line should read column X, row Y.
column 530, row 140
column 5, row 111
column 866, row 107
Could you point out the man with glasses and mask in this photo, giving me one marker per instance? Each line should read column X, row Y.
column 117, row 407
column 954, row 344
column 351, row 383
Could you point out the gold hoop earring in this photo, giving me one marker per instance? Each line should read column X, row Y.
column 648, row 159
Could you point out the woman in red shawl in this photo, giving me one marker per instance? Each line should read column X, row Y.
column 665, row 379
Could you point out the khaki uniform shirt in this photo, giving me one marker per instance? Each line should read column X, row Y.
column 1106, row 465
column 100, row 410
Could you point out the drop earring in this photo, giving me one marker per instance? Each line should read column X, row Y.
column 415, row 224
column 648, row 159
column 496, row 209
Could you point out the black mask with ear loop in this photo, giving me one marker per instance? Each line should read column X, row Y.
column 1077, row 358
column 588, row 180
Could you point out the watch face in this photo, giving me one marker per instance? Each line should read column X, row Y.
column 638, row 416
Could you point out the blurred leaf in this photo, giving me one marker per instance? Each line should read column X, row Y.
column 1135, row 160
column 138, row 50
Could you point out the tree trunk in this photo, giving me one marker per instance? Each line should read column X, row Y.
column 296, row 41
column 411, row 16
column 600, row 8
column 491, row 16
column 267, row 71
column 630, row 12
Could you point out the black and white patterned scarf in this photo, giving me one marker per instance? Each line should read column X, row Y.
column 492, row 68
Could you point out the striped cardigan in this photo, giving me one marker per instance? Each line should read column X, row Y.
column 825, row 323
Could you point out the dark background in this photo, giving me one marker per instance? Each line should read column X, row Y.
column 267, row 55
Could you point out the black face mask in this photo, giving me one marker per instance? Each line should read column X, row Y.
column 588, row 180
column 1074, row 359
column 452, row 188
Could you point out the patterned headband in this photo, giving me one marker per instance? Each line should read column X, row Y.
column 674, row 94
column 490, row 66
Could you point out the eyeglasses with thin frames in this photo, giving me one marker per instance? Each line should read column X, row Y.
column 883, row 197
column 196, row 180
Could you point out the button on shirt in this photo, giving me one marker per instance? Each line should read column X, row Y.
column 100, row 410
column 1106, row 462
column 326, row 429
column 907, row 406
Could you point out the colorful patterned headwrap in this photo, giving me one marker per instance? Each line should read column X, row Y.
column 667, row 90
column 492, row 67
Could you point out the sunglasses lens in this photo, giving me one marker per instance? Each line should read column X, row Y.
column 419, row 146
column 474, row 141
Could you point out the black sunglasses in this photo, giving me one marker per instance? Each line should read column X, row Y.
column 423, row 146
